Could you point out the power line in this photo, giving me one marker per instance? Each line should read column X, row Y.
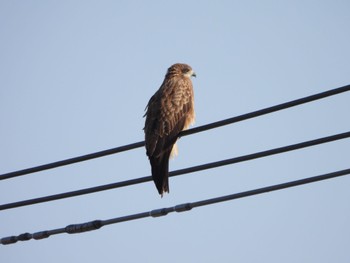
column 217, row 124
column 72, row 160
column 179, row 172
column 96, row 224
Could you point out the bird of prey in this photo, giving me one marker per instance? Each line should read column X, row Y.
column 169, row 111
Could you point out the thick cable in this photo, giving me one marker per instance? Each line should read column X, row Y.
column 239, row 118
column 178, row 172
column 97, row 224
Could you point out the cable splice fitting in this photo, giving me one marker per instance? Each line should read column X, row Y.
column 41, row 235
column 14, row 239
column 183, row 207
column 8, row 240
column 78, row 228
column 24, row 237
column 158, row 212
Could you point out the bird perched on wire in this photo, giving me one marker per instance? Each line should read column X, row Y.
column 169, row 111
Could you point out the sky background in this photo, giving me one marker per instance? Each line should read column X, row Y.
column 75, row 77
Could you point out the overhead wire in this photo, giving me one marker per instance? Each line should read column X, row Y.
column 197, row 168
column 206, row 127
column 97, row 224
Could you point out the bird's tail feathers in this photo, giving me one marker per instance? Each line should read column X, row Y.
column 160, row 172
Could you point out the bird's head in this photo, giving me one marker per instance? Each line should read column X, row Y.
column 182, row 70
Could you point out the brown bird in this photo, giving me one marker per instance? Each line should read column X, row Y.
column 169, row 111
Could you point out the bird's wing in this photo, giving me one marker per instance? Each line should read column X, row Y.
column 169, row 110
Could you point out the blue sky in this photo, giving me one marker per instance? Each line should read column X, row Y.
column 75, row 77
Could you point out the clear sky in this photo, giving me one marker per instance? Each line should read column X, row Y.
column 75, row 77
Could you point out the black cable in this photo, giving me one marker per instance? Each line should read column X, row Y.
column 184, row 133
column 72, row 160
column 178, row 172
column 97, row 224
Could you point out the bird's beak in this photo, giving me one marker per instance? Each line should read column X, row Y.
column 194, row 74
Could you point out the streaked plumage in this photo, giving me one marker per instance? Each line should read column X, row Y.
column 169, row 111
